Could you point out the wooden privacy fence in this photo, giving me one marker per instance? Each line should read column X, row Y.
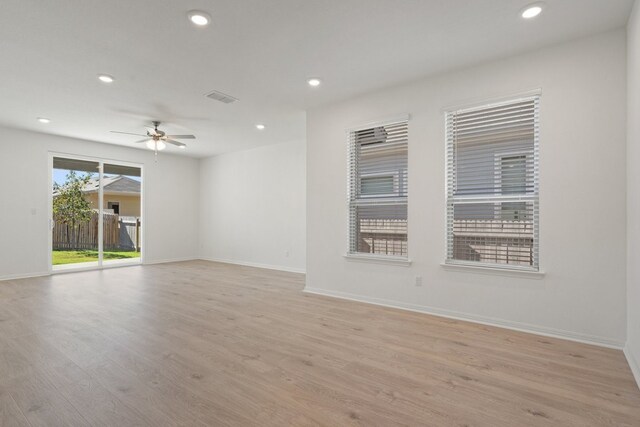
column 382, row 236
column 119, row 233
column 498, row 241
column 129, row 233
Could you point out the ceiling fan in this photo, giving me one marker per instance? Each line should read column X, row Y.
column 156, row 139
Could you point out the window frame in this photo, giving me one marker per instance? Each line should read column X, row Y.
column 385, row 199
column 534, row 197
column 498, row 159
column 396, row 184
column 111, row 202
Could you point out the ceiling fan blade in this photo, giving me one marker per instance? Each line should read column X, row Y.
column 144, row 140
column 176, row 143
column 182, row 136
column 150, row 131
column 128, row 133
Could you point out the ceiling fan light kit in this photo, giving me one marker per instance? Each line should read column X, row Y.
column 156, row 145
column 157, row 140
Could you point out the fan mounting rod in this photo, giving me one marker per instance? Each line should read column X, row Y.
column 157, row 134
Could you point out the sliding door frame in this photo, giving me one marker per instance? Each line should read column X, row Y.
column 101, row 162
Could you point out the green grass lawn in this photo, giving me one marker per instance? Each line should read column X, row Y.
column 73, row 257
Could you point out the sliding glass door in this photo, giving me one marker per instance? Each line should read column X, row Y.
column 121, row 219
column 75, row 209
column 96, row 213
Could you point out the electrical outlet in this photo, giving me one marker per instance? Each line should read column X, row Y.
column 418, row 280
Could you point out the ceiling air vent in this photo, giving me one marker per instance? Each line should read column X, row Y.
column 219, row 96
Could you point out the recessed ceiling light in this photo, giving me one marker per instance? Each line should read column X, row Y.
column 314, row 82
column 260, row 127
column 532, row 10
column 199, row 18
column 105, row 78
column 44, row 120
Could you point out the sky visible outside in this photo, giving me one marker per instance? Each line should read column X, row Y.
column 60, row 176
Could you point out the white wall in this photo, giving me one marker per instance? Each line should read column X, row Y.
column 252, row 207
column 582, row 184
column 633, row 191
column 170, row 199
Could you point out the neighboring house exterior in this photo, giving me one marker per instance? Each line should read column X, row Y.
column 380, row 176
column 490, row 232
column 121, row 195
column 501, row 233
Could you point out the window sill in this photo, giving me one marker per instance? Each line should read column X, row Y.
column 496, row 271
column 378, row 259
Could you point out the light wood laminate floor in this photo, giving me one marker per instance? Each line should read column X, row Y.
column 201, row 343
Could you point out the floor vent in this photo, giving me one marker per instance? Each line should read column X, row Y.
column 219, row 96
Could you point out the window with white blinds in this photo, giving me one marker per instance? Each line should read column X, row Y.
column 378, row 190
column 492, row 185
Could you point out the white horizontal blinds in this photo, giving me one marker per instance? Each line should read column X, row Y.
column 378, row 189
column 492, row 193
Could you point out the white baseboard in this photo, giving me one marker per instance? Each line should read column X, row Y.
column 23, row 276
column 633, row 363
column 257, row 265
column 516, row 326
column 164, row 261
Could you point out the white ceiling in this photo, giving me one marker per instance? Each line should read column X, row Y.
column 259, row 51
